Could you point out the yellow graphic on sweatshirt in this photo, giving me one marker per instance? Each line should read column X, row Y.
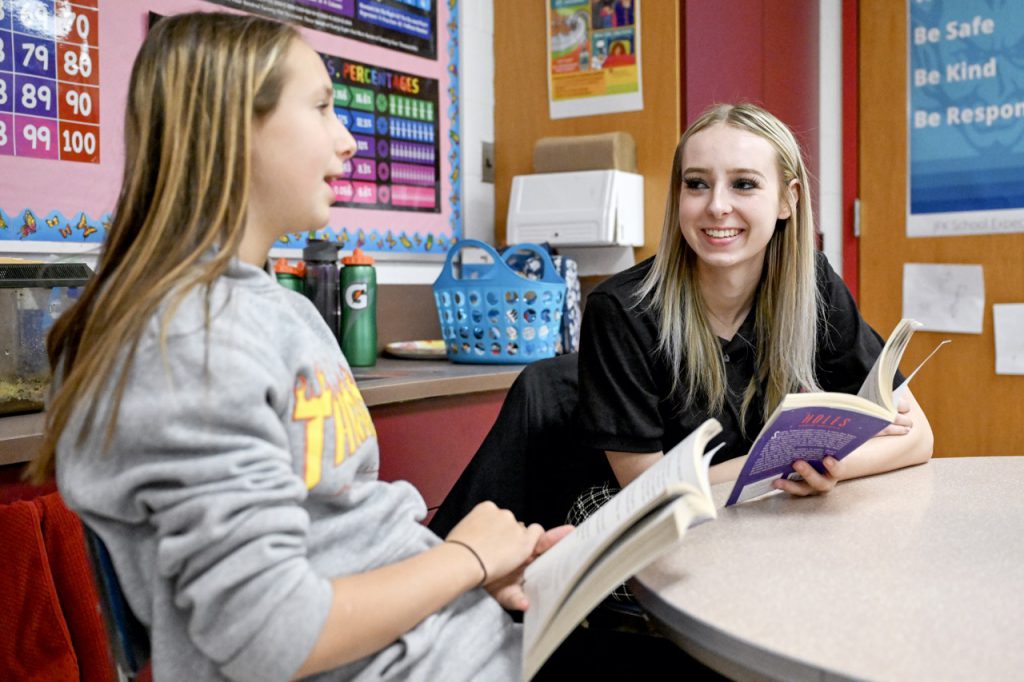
column 340, row 406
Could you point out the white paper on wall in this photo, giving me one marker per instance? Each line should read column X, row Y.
column 944, row 297
column 1008, row 320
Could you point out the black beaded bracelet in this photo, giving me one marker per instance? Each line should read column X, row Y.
column 483, row 581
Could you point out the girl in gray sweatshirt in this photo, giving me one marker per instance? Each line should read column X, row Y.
column 206, row 425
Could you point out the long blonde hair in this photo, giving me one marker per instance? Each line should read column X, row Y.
column 198, row 84
column 787, row 304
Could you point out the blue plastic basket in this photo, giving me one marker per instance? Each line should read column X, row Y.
column 499, row 316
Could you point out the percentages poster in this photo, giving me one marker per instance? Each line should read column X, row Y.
column 393, row 118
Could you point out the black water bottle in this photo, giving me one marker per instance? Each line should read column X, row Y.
column 321, row 259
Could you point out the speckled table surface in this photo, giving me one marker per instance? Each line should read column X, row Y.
column 913, row 575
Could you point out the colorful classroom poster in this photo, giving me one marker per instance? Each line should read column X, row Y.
column 593, row 57
column 393, row 118
column 62, row 123
column 406, row 25
column 49, row 100
column 49, row 80
column 966, row 118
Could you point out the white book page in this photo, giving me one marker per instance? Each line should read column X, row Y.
column 877, row 387
column 645, row 542
column 550, row 578
column 757, row 488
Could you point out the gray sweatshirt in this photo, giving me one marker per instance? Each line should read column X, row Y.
column 242, row 476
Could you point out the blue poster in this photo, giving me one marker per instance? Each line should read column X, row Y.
column 966, row 117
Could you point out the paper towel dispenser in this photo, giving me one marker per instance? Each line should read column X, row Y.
column 581, row 208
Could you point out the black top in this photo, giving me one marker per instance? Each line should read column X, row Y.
column 625, row 382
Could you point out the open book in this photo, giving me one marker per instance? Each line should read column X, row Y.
column 635, row 527
column 810, row 426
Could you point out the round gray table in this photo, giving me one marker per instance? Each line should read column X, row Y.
column 913, row 575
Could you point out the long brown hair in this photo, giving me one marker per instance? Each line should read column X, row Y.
column 787, row 306
column 198, row 84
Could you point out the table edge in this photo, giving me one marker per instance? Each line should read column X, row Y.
column 731, row 656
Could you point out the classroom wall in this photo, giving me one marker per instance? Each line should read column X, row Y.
column 477, row 21
column 769, row 54
column 972, row 410
column 764, row 51
column 521, row 104
column 694, row 53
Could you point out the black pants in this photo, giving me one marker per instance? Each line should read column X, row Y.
column 601, row 654
column 530, row 462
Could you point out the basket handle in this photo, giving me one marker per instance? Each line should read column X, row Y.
column 458, row 246
column 550, row 273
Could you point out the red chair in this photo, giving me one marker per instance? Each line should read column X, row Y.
column 50, row 624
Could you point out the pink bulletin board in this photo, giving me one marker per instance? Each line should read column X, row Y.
column 58, row 196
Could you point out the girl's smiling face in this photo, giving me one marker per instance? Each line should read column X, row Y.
column 731, row 198
column 297, row 149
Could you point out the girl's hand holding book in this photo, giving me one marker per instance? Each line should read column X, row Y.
column 813, row 483
column 902, row 424
column 503, row 547
column 508, row 591
column 499, row 541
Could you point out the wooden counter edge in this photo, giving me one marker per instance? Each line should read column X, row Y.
column 20, row 434
column 19, row 437
column 387, row 393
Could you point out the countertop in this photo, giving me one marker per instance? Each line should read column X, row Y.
column 394, row 381
column 390, row 381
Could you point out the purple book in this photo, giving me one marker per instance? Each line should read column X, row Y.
column 809, row 433
column 811, row 426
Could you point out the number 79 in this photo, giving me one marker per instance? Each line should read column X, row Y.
column 39, row 52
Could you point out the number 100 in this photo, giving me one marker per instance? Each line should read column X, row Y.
column 77, row 142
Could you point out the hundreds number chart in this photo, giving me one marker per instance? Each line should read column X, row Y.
column 393, row 118
column 49, row 79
